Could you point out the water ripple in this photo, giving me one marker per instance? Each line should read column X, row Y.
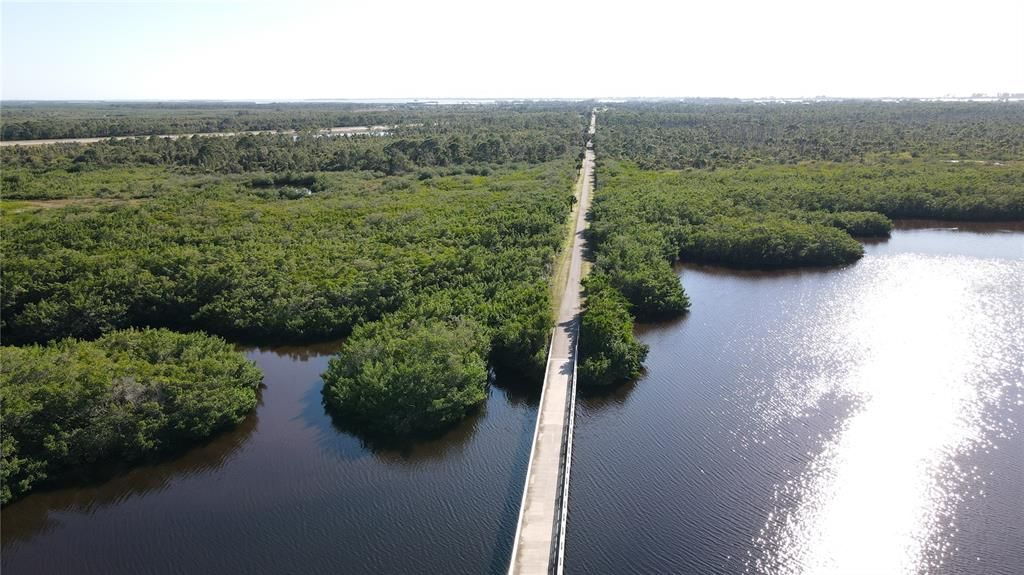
column 864, row 420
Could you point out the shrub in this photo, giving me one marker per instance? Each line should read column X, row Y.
column 73, row 404
column 609, row 352
column 398, row 379
column 769, row 243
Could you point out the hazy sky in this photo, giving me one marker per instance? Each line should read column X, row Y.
column 548, row 48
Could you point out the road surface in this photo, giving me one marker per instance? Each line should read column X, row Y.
column 540, row 533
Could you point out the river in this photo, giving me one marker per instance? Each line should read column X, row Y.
column 289, row 493
column 859, row 420
column 854, row 420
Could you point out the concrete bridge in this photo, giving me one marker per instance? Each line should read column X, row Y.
column 540, row 535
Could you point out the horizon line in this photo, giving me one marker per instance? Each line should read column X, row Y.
column 428, row 99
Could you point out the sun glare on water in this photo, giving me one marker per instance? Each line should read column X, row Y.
column 918, row 351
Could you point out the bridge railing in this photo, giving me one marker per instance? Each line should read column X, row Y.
column 562, row 503
column 533, row 450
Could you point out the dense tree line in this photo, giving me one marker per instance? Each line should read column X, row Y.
column 715, row 134
column 232, row 262
column 38, row 121
column 609, row 353
column 59, row 120
column 772, row 242
column 70, row 406
column 782, row 215
column 857, row 224
column 636, row 262
column 842, row 195
column 287, row 153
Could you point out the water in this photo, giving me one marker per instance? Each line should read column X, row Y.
column 860, row 420
column 288, row 493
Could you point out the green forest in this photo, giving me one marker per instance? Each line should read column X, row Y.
column 254, row 264
column 59, row 120
column 609, row 352
column 437, row 366
column 756, row 185
column 710, row 134
column 429, row 245
column 431, row 252
column 70, row 406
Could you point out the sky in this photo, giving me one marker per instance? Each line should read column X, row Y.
column 367, row 49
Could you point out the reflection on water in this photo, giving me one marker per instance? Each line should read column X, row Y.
column 36, row 514
column 297, row 352
column 287, row 492
column 972, row 227
column 928, row 349
column 863, row 419
column 597, row 399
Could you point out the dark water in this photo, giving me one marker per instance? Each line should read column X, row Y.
column 860, row 420
column 288, row 493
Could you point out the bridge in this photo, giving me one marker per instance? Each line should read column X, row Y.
column 540, row 534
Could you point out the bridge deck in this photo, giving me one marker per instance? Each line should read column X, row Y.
column 538, row 544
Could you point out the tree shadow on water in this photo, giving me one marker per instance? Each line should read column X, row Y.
column 874, row 241
column 116, row 482
column 520, row 389
column 301, row 353
column 347, row 440
column 597, row 398
column 651, row 328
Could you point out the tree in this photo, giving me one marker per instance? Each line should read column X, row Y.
column 399, row 379
column 70, row 405
column 610, row 354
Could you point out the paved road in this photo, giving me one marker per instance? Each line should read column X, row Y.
column 542, row 516
column 327, row 131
